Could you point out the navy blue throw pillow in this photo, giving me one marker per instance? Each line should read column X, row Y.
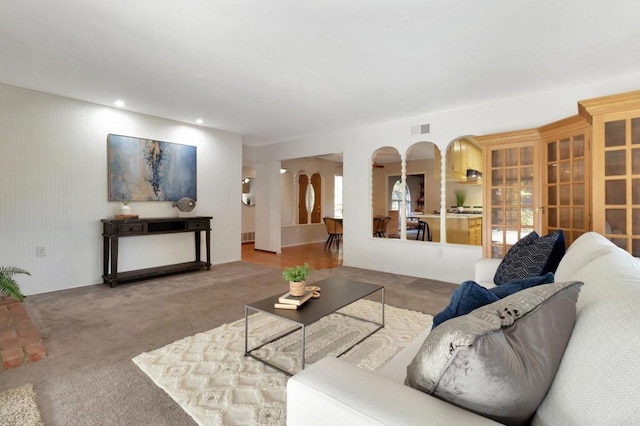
column 470, row 296
column 557, row 252
column 508, row 289
column 467, row 297
column 530, row 257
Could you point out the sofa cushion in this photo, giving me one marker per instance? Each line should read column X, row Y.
column 470, row 295
column 584, row 249
column 531, row 256
column 597, row 382
column 500, row 359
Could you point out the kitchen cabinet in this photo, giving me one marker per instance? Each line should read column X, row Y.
column 463, row 155
column 464, row 229
column 475, row 231
column 461, row 228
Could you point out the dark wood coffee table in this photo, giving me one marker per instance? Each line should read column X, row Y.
column 336, row 294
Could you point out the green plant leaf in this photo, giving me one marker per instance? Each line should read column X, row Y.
column 296, row 273
column 9, row 286
column 461, row 195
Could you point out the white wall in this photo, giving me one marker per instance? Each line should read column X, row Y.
column 288, row 201
column 295, row 235
column 473, row 193
column 442, row 261
column 268, row 209
column 53, row 189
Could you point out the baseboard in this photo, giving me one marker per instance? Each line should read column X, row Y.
column 302, row 244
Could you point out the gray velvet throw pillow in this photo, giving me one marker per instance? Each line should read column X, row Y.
column 499, row 360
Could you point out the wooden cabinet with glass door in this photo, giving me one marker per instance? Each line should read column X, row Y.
column 588, row 179
column 512, row 194
column 566, row 178
column 616, row 167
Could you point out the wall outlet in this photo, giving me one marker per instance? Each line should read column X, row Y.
column 41, row 251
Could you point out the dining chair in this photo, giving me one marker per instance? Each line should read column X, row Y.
column 424, row 228
column 376, row 224
column 382, row 225
column 334, row 229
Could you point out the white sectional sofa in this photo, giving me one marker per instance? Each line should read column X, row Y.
column 597, row 383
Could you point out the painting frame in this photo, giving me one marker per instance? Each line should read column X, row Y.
column 142, row 169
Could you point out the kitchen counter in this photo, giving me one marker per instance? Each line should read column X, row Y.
column 461, row 228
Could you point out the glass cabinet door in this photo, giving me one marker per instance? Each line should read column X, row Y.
column 566, row 178
column 619, row 174
column 512, row 195
column 615, row 167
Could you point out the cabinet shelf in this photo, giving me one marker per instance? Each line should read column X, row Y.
column 154, row 272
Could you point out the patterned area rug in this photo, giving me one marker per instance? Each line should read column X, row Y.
column 211, row 379
column 18, row 407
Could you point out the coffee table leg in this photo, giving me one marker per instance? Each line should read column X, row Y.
column 303, row 345
column 246, row 330
column 383, row 306
column 248, row 352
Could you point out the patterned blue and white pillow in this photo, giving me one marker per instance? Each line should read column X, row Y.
column 531, row 256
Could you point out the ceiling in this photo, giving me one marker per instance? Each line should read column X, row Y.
column 282, row 69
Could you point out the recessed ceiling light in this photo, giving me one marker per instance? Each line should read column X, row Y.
column 199, row 121
column 119, row 103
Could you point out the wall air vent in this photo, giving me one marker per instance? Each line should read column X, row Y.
column 421, row 129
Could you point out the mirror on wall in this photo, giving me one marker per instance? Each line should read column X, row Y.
column 464, row 178
column 248, row 198
column 385, row 162
column 309, row 202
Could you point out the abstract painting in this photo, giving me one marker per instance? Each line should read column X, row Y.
column 148, row 170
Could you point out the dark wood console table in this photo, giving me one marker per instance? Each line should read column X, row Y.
column 114, row 229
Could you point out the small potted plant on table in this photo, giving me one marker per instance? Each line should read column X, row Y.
column 296, row 275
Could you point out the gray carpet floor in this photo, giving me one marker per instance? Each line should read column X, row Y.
column 91, row 334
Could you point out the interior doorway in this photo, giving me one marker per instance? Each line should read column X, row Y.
column 311, row 190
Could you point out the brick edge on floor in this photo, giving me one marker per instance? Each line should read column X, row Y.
column 20, row 342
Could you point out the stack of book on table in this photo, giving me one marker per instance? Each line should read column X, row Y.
column 287, row 301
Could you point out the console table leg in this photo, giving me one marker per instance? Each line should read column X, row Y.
column 208, row 247
column 114, row 262
column 197, row 241
column 105, row 258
